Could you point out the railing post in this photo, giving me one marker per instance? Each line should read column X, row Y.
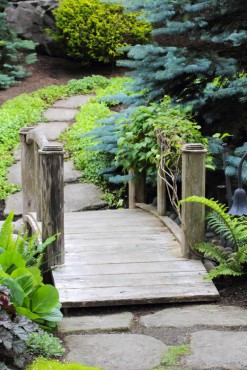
column 37, row 181
column 27, row 173
column 161, row 191
column 193, row 183
column 52, row 206
column 137, row 188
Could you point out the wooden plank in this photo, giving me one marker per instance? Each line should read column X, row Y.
column 134, row 295
column 98, row 259
column 116, row 229
column 128, row 268
column 155, row 279
column 167, row 221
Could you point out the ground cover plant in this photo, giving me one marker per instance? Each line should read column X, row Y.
column 42, row 363
column 26, row 110
column 92, row 31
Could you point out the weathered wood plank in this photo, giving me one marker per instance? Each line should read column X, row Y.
column 154, row 279
column 135, row 295
column 127, row 268
column 126, row 257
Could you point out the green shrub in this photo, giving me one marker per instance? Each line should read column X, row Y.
column 92, row 31
column 41, row 364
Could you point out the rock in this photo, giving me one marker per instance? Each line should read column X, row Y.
column 212, row 349
column 14, row 174
column 177, row 221
column 17, row 155
column 82, row 197
column 60, row 114
column 203, row 315
column 210, row 234
column 30, row 19
column 70, row 174
column 52, row 130
column 173, row 216
column 121, row 321
column 18, row 226
column 116, row 351
column 229, row 250
column 72, row 102
column 13, row 203
column 209, row 265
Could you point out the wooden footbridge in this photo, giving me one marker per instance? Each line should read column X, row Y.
column 116, row 257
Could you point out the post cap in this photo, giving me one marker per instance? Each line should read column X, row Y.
column 193, row 148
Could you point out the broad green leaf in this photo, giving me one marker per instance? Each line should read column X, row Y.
column 44, row 299
column 11, row 261
column 53, row 315
column 25, row 312
column 35, row 271
column 26, row 283
column 16, row 291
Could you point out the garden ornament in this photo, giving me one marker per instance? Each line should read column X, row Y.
column 239, row 206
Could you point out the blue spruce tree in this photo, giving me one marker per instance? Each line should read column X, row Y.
column 198, row 57
column 14, row 53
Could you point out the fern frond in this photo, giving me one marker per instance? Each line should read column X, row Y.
column 227, row 220
column 6, row 232
column 220, row 255
column 241, row 254
column 225, row 269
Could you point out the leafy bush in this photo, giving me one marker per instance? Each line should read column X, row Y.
column 20, row 273
column 92, row 31
column 44, row 344
column 233, row 229
column 41, row 364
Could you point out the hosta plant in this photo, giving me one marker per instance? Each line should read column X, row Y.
column 20, row 259
column 233, row 229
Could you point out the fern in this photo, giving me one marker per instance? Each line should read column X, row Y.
column 231, row 228
column 6, row 240
column 234, row 229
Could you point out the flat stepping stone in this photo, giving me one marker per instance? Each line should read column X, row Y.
column 70, row 173
column 77, row 197
column 188, row 316
column 13, row 203
column 212, row 349
column 14, row 174
column 60, row 114
column 52, row 130
column 72, row 102
column 121, row 321
column 82, row 197
column 116, row 351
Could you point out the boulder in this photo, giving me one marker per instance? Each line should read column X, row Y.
column 30, row 19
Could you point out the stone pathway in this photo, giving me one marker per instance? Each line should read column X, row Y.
column 216, row 336
column 78, row 196
column 137, row 340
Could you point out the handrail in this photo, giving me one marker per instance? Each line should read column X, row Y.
column 43, row 188
column 193, row 183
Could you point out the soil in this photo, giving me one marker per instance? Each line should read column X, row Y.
column 55, row 71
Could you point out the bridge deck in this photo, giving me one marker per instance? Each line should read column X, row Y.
column 119, row 257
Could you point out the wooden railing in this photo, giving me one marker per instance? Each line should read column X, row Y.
column 43, row 189
column 192, row 229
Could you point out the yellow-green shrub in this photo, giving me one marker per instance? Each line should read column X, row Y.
column 91, row 31
column 41, row 364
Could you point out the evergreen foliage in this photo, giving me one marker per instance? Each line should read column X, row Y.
column 14, row 53
column 197, row 58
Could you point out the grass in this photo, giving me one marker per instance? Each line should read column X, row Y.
column 172, row 358
column 27, row 110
